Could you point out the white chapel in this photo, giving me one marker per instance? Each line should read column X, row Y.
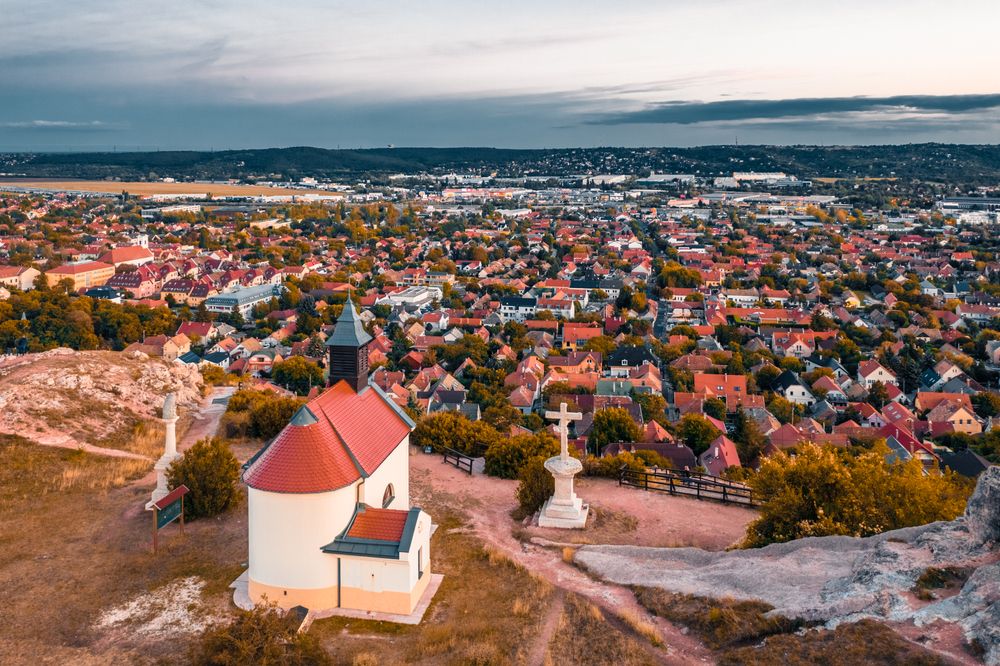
column 330, row 521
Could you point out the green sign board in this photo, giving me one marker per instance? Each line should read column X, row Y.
column 168, row 514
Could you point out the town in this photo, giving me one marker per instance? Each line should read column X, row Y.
column 697, row 339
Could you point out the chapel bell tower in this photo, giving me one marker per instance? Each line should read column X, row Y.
column 348, row 347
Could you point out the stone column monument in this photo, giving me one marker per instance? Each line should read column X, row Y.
column 564, row 509
column 169, row 449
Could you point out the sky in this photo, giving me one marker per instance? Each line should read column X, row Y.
column 220, row 74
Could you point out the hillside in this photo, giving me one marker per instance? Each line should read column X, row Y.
column 91, row 399
column 934, row 162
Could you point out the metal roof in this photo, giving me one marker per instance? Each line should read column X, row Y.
column 348, row 332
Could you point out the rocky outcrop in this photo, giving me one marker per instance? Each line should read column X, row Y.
column 65, row 398
column 843, row 579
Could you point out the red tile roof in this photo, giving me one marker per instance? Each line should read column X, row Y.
column 379, row 524
column 337, row 438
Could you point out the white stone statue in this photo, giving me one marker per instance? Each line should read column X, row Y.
column 169, row 449
column 564, row 509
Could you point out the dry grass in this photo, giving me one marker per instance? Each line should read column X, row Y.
column 585, row 636
column 865, row 642
column 146, row 189
column 486, row 611
column 29, row 471
column 76, row 541
column 719, row 622
column 643, row 627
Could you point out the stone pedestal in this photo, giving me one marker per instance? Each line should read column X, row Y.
column 169, row 452
column 564, row 509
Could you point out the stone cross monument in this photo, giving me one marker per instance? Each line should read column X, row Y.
column 564, row 509
column 169, row 449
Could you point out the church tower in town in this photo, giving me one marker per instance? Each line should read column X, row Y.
column 348, row 347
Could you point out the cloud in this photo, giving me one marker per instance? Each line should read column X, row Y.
column 61, row 125
column 691, row 112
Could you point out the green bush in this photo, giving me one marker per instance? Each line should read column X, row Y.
column 261, row 636
column 536, row 485
column 211, row 472
column 505, row 458
column 268, row 417
column 451, row 430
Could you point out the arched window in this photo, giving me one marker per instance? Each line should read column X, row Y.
column 390, row 494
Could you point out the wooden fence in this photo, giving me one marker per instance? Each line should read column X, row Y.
column 692, row 484
column 459, row 460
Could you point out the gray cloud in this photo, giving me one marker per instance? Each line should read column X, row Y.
column 690, row 112
column 61, row 125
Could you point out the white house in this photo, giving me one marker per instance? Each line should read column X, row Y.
column 870, row 372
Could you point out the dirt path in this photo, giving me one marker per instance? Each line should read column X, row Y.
column 207, row 418
column 547, row 629
column 70, row 443
column 489, row 501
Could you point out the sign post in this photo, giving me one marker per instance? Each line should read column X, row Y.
column 168, row 509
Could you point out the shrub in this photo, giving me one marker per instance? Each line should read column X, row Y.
column 610, row 466
column 535, row 487
column 823, row 491
column 213, row 375
column 269, row 416
column 267, row 413
column 451, row 430
column 505, row 458
column 261, row 636
column 211, row 472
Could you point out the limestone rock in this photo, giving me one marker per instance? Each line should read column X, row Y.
column 841, row 579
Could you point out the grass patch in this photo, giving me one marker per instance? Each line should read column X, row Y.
column 486, row 611
column 718, row 622
column 29, row 471
column 643, row 627
column 865, row 642
column 585, row 636
column 74, row 529
column 936, row 578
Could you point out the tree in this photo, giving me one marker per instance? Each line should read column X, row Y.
column 212, row 473
column 451, row 430
column 502, row 416
column 878, row 395
column 715, row 407
column 697, row 432
column 506, row 457
column 749, row 440
column 987, row 404
column 781, row 409
column 821, row 491
column 612, row 425
column 602, row 344
column 297, row 374
column 260, row 636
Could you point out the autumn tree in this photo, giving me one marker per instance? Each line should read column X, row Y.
column 612, row 425
column 297, row 374
column 697, row 432
column 821, row 491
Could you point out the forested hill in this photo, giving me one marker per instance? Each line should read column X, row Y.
column 952, row 163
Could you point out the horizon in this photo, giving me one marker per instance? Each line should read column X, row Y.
column 151, row 149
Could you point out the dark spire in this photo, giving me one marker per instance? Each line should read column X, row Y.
column 348, row 349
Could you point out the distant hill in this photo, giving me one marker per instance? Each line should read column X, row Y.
column 973, row 164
